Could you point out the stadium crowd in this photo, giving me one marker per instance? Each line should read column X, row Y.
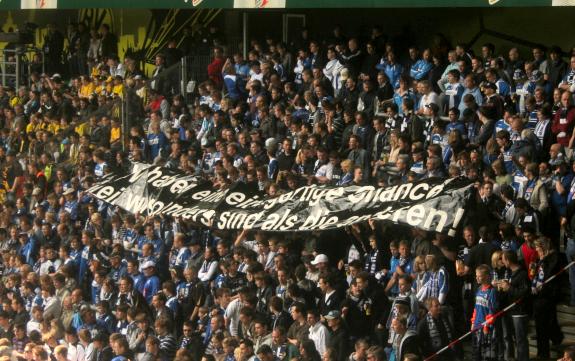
column 82, row 280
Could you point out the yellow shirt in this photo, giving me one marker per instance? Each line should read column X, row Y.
column 99, row 89
column 32, row 128
column 82, row 128
column 43, row 125
column 118, row 90
column 86, row 90
column 115, row 134
column 54, row 128
column 14, row 101
column 95, row 71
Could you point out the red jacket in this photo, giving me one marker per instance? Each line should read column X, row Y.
column 562, row 126
column 215, row 72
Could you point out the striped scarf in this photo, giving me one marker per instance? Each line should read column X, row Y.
column 434, row 333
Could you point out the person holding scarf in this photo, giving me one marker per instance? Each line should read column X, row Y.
column 435, row 331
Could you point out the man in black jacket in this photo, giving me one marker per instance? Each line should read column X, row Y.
column 339, row 340
column 109, row 42
column 515, row 289
column 557, row 67
column 329, row 300
column 407, row 339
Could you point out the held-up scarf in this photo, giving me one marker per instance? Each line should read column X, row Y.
column 434, row 333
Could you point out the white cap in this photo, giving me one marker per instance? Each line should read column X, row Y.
column 148, row 264
column 56, row 76
column 320, row 258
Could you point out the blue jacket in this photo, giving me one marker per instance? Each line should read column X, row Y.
column 29, row 250
column 476, row 94
column 157, row 142
column 503, row 88
column 151, row 287
column 420, row 69
column 393, row 72
column 453, row 94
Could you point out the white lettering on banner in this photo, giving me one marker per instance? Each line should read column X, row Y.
column 180, row 186
column 431, row 216
column 105, row 192
column 134, row 203
column 435, row 191
column 361, row 194
column 160, row 191
column 235, row 198
column 415, row 196
column 108, row 193
column 415, row 215
column 171, row 209
column 200, row 195
column 237, row 220
column 240, row 200
column 270, row 222
column 456, row 220
column 405, row 188
column 368, row 194
column 311, row 194
column 319, row 220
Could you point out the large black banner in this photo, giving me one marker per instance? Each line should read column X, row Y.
column 432, row 204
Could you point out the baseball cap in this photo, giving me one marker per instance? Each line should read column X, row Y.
column 333, row 314
column 69, row 191
column 148, row 264
column 489, row 85
column 320, row 258
column 403, row 301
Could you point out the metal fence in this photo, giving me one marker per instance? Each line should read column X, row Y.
column 16, row 66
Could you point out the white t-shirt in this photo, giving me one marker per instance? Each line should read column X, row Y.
column 232, row 314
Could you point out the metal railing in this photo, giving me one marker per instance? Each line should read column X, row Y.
column 16, row 66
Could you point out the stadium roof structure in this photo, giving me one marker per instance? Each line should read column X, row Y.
column 271, row 4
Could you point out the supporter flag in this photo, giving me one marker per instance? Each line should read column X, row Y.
column 432, row 204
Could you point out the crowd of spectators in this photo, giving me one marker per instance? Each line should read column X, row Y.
column 82, row 280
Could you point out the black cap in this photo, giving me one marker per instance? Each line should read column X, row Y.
column 489, row 85
column 403, row 301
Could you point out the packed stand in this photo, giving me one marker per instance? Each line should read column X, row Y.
column 85, row 281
